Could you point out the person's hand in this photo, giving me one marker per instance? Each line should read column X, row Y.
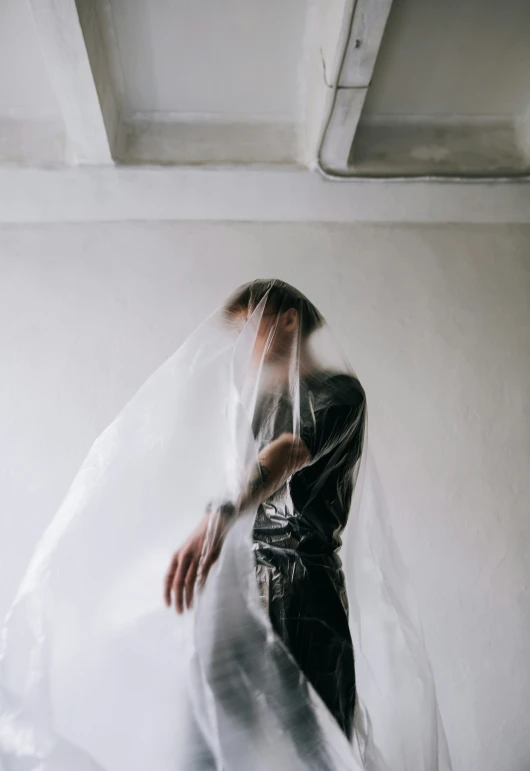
column 191, row 563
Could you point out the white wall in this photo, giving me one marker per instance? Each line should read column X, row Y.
column 435, row 319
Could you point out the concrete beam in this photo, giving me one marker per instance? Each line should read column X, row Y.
column 65, row 52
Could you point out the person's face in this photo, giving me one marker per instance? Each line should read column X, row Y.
column 275, row 335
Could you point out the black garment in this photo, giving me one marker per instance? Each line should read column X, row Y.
column 297, row 535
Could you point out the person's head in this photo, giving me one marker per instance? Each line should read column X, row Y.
column 288, row 317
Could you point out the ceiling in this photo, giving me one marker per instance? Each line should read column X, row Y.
column 450, row 89
column 211, row 58
column 464, row 57
column 425, row 87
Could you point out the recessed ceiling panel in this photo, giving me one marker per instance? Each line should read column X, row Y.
column 236, row 57
column 450, row 92
column 456, row 57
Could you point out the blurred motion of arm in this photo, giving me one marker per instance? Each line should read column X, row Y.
column 279, row 460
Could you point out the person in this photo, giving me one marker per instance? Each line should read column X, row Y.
column 308, row 425
column 258, row 413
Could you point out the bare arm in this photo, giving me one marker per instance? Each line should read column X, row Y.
column 276, row 463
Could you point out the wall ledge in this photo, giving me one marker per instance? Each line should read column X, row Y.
column 283, row 194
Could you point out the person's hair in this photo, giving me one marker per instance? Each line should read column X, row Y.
column 280, row 297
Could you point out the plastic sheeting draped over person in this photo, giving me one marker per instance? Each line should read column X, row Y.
column 253, row 438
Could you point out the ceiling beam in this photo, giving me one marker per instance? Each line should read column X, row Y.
column 522, row 133
column 366, row 28
column 67, row 60
column 327, row 35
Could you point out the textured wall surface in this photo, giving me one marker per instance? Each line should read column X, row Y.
column 436, row 321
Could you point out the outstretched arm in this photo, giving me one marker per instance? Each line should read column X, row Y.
column 276, row 463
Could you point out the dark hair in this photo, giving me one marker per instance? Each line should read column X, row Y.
column 280, row 297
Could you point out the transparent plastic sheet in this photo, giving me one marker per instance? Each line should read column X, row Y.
column 96, row 674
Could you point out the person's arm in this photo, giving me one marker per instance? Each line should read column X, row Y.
column 279, row 460
column 276, row 463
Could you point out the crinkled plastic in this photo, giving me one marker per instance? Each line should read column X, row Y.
column 270, row 667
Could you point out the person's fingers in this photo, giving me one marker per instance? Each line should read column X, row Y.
column 179, row 581
column 191, row 577
column 168, row 581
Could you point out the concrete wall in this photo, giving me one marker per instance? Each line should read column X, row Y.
column 436, row 321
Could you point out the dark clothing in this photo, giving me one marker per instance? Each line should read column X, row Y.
column 297, row 535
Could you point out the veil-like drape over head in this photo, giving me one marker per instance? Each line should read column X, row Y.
column 96, row 674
